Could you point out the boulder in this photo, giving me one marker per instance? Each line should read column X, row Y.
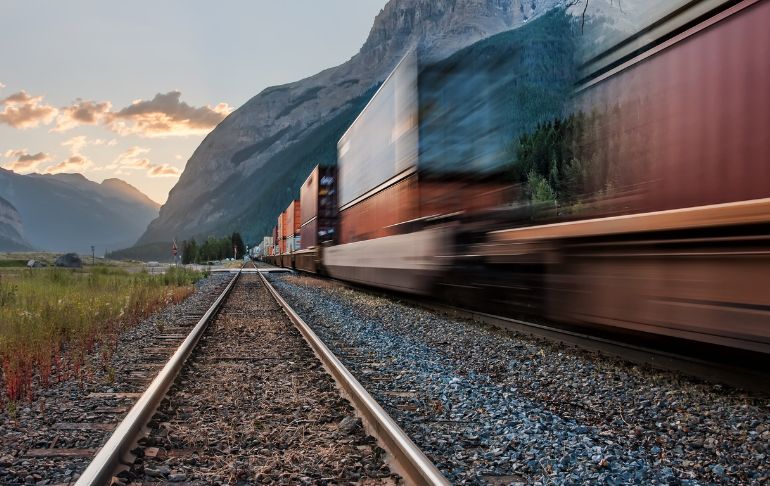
column 35, row 264
column 69, row 260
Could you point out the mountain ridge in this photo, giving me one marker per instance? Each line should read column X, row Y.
column 261, row 132
column 68, row 212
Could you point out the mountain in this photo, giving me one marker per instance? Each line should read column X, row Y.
column 67, row 212
column 250, row 167
column 11, row 229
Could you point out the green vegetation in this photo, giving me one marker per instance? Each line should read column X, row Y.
column 52, row 318
column 12, row 263
column 564, row 162
column 548, row 162
column 160, row 251
column 212, row 249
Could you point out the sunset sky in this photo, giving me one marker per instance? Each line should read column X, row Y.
column 130, row 89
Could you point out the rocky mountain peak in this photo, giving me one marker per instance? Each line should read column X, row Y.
column 441, row 27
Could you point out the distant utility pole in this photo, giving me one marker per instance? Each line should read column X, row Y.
column 93, row 255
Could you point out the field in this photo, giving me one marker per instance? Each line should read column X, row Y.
column 52, row 318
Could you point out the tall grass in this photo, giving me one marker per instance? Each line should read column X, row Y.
column 52, row 319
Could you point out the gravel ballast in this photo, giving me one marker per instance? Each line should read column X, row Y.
column 254, row 405
column 51, row 440
column 496, row 407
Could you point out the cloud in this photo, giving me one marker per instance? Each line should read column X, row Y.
column 75, row 163
column 164, row 170
column 166, row 115
column 133, row 152
column 76, row 144
column 138, row 164
column 130, row 159
column 82, row 112
column 20, row 110
column 24, row 161
column 162, row 116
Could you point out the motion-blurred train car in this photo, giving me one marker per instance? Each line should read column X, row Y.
column 657, row 214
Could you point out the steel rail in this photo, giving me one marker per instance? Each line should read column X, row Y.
column 408, row 459
column 116, row 451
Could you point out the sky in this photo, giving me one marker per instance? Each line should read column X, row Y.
column 129, row 89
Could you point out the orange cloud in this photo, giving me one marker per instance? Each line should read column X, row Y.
column 162, row 116
column 166, row 115
column 82, row 113
column 20, row 110
column 130, row 159
column 76, row 163
column 164, row 170
column 25, row 162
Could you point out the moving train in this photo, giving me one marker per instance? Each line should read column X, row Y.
column 611, row 175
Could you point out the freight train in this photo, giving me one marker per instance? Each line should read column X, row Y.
column 638, row 199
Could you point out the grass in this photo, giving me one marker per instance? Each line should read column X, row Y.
column 13, row 263
column 51, row 319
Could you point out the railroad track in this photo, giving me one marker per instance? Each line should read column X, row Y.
column 251, row 402
column 54, row 438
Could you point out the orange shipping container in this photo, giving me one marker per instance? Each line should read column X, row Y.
column 280, row 225
column 379, row 215
column 308, row 195
column 285, row 232
column 386, row 212
column 293, row 218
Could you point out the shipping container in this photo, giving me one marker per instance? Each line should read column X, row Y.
column 318, row 198
column 309, row 234
column 293, row 243
column 308, row 196
column 293, row 218
column 285, row 231
column 382, row 141
column 280, row 225
column 380, row 214
column 267, row 242
column 282, row 232
column 403, row 207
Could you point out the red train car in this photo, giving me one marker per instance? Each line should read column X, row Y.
column 673, row 231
